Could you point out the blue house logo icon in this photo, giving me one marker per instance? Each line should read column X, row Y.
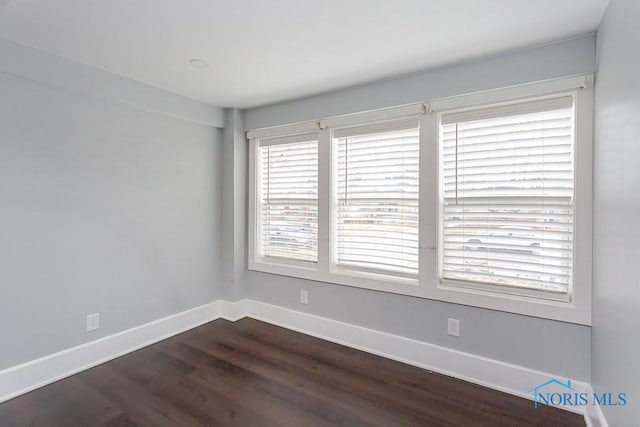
column 542, row 398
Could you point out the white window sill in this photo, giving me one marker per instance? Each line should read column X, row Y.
column 366, row 280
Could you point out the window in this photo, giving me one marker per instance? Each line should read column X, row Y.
column 288, row 188
column 507, row 189
column 376, row 206
column 481, row 199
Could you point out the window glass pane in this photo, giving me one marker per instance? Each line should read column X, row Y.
column 507, row 200
column 376, row 211
column 288, row 227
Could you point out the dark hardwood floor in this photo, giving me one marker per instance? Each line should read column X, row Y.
column 251, row 373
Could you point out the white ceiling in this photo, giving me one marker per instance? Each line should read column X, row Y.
column 263, row 51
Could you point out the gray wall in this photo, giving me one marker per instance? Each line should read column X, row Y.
column 103, row 208
column 234, row 205
column 554, row 60
column 616, row 251
column 550, row 346
column 36, row 65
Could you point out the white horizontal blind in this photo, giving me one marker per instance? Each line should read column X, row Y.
column 376, row 211
column 507, row 197
column 288, row 187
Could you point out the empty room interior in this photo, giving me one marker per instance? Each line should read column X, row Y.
column 320, row 213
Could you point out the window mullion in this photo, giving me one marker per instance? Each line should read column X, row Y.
column 324, row 197
column 428, row 219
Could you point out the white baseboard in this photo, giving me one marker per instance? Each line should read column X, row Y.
column 594, row 416
column 37, row 373
column 498, row 375
column 495, row 374
column 234, row 310
column 506, row 377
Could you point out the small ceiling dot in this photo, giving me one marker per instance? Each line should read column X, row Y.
column 198, row 63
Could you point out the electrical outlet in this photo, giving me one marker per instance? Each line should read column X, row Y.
column 93, row 322
column 304, row 297
column 453, row 327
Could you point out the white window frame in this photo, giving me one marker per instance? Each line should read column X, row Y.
column 292, row 139
column 325, row 269
column 380, row 126
column 576, row 310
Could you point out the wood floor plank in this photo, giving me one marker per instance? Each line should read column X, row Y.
column 402, row 378
column 324, row 400
column 250, row 373
column 445, row 411
column 245, row 388
column 141, row 407
column 66, row 403
column 166, row 378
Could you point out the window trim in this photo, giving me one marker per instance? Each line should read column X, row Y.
column 578, row 310
column 375, row 127
column 506, row 108
column 325, row 269
column 292, row 139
